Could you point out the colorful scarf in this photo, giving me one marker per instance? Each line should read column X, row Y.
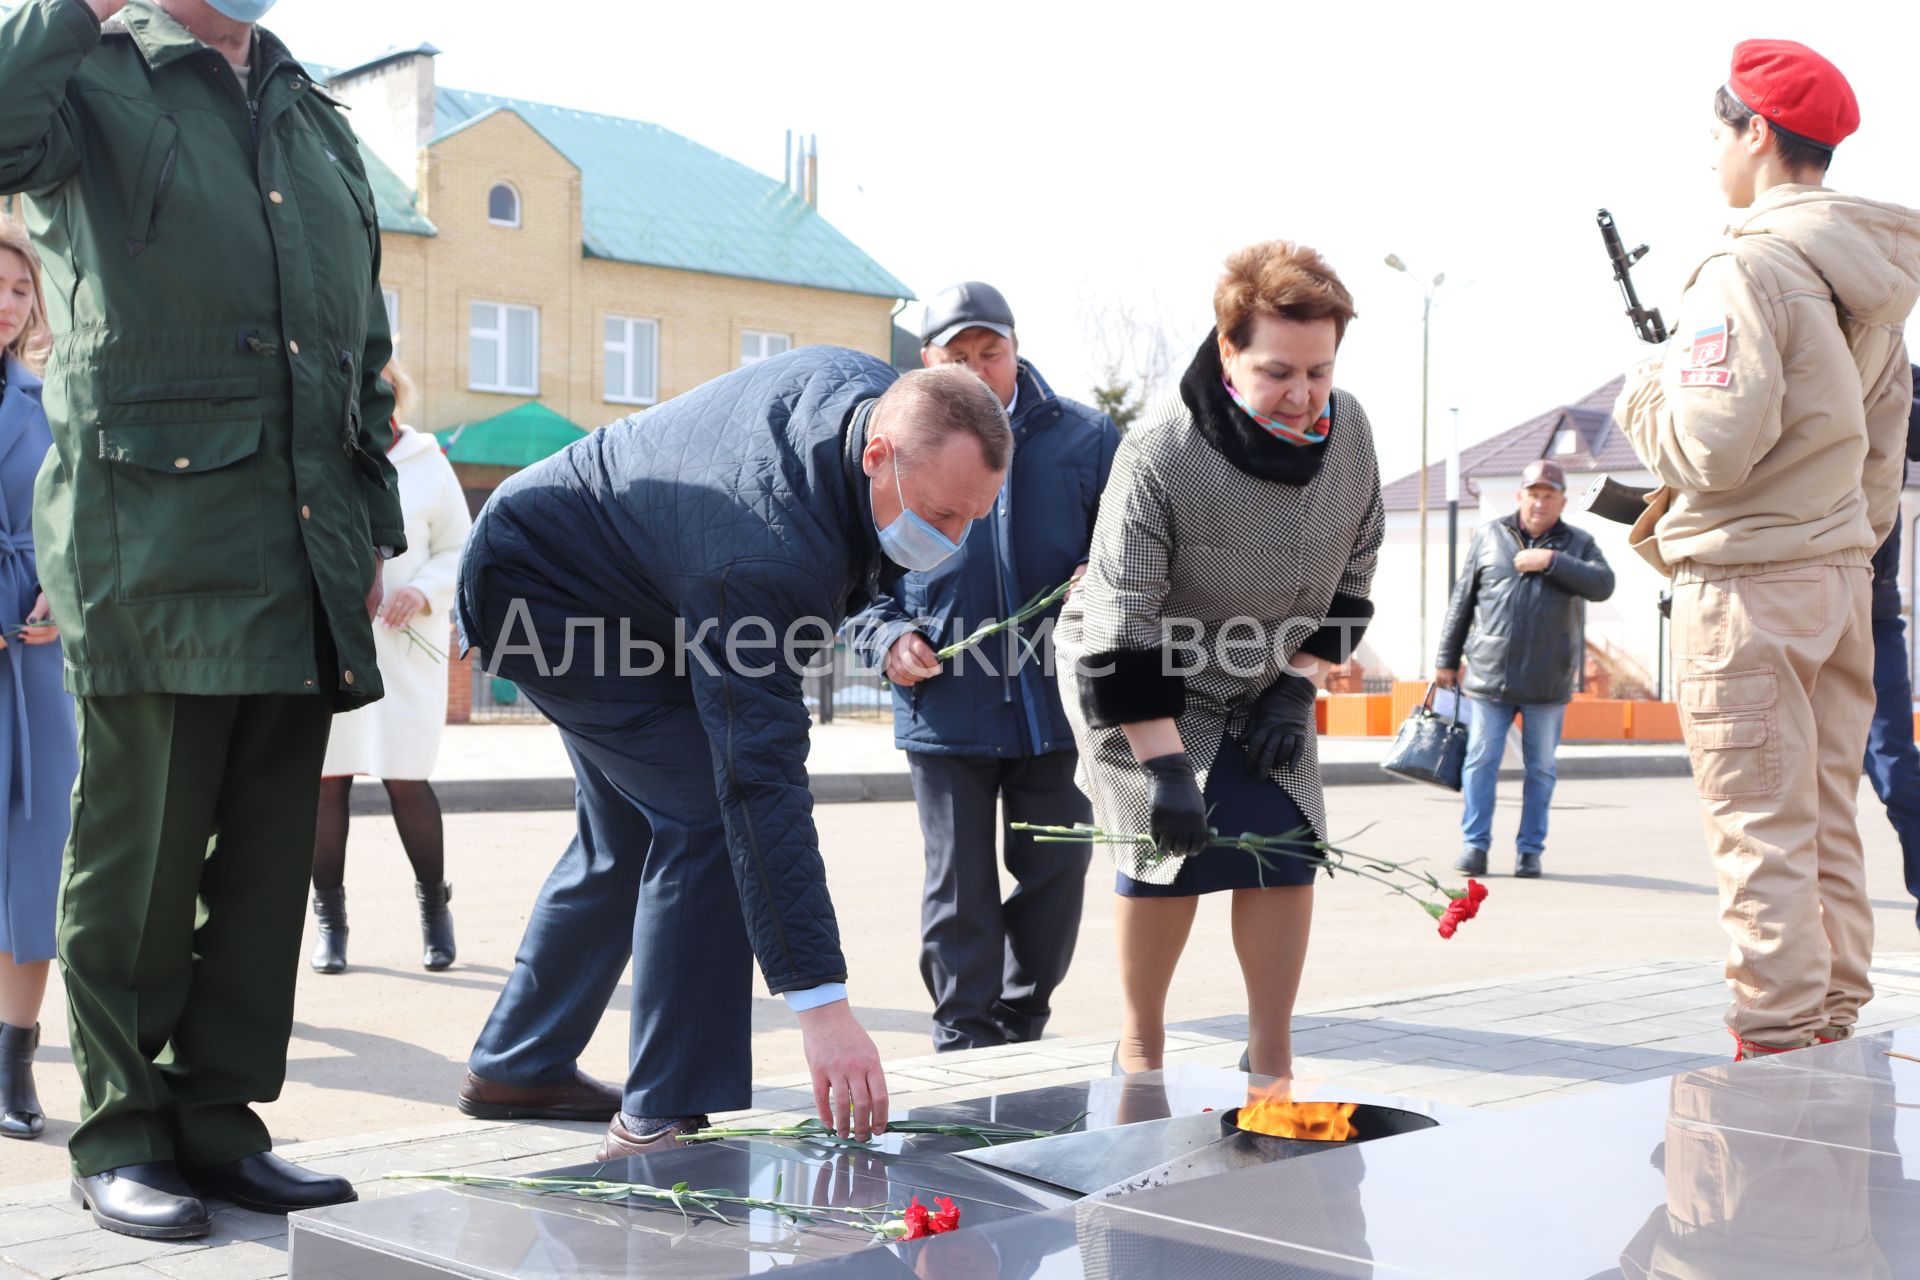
column 1315, row 434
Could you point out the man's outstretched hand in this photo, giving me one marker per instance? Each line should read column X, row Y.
column 849, row 1086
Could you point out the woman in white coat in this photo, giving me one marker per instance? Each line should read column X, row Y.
column 397, row 738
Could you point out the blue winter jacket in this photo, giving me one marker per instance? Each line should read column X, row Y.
column 742, row 500
column 996, row 701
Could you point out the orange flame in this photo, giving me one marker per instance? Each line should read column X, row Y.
column 1279, row 1116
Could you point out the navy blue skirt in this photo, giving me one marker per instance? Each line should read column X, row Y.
column 1237, row 801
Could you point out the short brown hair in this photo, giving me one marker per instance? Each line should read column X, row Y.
column 1281, row 279
column 30, row 347
column 928, row 405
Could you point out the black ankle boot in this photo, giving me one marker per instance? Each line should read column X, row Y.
column 20, row 1114
column 436, row 924
column 330, row 912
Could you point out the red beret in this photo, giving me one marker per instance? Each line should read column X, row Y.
column 1791, row 86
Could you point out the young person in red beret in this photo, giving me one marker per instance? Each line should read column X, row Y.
column 1776, row 419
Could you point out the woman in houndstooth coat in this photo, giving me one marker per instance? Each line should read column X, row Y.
column 1231, row 563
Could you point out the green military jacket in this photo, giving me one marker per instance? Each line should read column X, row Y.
column 212, row 264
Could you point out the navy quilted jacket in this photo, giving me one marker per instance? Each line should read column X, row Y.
column 996, row 701
column 739, row 501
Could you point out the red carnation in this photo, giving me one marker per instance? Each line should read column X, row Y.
column 919, row 1221
column 948, row 1216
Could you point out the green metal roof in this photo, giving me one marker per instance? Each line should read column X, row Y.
column 519, row 437
column 653, row 197
column 393, row 199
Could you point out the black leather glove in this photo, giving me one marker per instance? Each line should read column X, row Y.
column 1179, row 822
column 1279, row 724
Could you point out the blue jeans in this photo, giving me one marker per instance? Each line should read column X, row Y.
column 1893, row 765
column 647, row 877
column 1487, row 726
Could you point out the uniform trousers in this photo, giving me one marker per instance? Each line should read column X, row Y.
column 1779, row 782
column 182, row 902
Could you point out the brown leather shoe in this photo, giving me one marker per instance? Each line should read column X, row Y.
column 621, row 1141
column 581, row 1098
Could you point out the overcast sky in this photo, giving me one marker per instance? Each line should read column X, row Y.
column 1083, row 155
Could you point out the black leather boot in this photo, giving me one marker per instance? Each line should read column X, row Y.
column 330, row 912
column 20, row 1114
column 436, row 924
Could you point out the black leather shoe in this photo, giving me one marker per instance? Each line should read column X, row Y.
column 1473, row 862
column 1528, row 866
column 151, row 1201
column 265, row 1183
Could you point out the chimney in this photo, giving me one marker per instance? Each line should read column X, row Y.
column 392, row 101
column 813, row 170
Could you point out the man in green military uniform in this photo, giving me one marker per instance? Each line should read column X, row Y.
column 210, row 523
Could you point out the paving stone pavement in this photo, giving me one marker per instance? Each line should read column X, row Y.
column 1512, row 1044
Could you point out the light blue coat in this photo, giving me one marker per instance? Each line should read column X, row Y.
column 37, row 756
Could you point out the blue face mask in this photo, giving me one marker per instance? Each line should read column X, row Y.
column 909, row 540
column 242, row 10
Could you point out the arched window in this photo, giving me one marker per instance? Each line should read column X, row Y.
column 503, row 205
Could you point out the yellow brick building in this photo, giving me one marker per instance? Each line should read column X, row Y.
column 588, row 263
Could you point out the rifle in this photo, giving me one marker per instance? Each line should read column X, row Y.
column 1647, row 323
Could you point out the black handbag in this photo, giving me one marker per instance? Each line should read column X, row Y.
column 1430, row 748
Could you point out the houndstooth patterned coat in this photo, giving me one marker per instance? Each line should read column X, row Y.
column 1256, row 565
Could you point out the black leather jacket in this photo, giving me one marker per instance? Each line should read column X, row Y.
column 1523, row 635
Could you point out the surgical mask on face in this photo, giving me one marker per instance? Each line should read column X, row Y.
column 909, row 540
column 242, row 10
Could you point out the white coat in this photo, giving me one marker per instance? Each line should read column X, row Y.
column 399, row 736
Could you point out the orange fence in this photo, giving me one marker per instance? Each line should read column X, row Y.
column 1375, row 715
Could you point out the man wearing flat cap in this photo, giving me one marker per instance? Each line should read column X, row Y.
column 985, row 733
column 1776, row 421
column 1518, row 618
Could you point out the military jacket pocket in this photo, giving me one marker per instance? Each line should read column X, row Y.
column 151, row 185
column 186, row 504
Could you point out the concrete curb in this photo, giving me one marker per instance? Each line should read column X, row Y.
column 499, row 795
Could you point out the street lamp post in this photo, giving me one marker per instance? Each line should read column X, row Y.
column 1426, row 335
column 1453, row 503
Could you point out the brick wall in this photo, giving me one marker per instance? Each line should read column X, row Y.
column 541, row 264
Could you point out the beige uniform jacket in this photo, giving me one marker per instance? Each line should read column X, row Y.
column 1776, row 417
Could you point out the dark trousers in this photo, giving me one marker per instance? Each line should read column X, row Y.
column 1892, row 763
column 649, row 863
column 182, row 901
column 991, row 966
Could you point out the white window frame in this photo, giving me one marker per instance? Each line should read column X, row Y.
column 763, row 335
column 495, row 379
column 632, row 325
column 519, row 205
column 391, row 297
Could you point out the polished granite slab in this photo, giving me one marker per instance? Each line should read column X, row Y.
column 443, row 1230
column 1790, row 1167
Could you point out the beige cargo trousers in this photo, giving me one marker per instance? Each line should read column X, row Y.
column 1774, row 669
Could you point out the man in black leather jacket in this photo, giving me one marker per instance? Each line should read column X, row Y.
column 1519, row 615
